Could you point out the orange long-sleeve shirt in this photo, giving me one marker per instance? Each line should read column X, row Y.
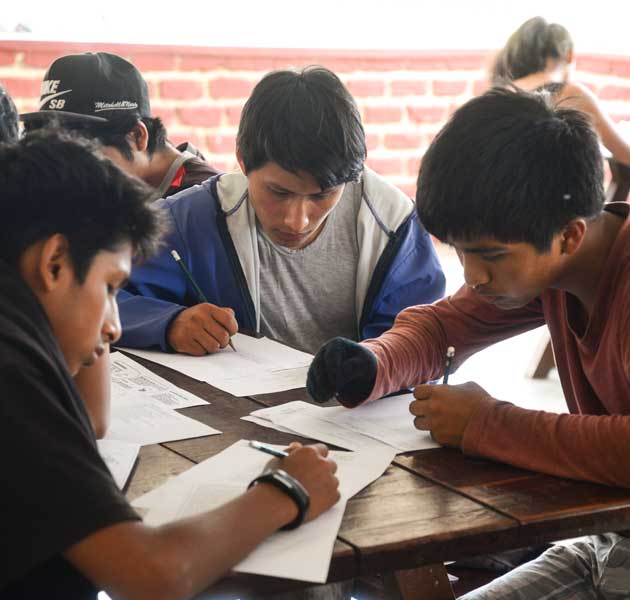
column 591, row 443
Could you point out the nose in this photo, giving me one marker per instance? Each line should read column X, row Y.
column 296, row 217
column 475, row 274
column 112, row 329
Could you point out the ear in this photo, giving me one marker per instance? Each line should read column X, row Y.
column 53, row 265
column 569, row 57
column 239, row 159
column 138, row 137
column 572, row 236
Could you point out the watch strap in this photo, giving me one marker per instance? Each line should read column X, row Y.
column 291, row 487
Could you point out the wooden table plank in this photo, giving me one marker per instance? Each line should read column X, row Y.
column 548, row 508
column 155, row 465
column 403, row 521
column 226, row 417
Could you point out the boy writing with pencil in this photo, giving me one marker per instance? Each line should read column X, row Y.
column 72, row 222
column 514, row 184
column 304, row 244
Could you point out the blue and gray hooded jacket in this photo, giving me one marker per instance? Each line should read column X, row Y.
column 213, row 228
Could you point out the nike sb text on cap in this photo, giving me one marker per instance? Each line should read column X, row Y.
column 92, row 86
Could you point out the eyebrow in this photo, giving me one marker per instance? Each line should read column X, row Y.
column 281, row 188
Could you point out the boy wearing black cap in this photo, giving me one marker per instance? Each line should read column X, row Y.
column 104, row 97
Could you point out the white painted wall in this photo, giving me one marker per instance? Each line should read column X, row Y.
column 601, row 26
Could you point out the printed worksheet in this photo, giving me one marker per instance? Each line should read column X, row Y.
column 130, row 380
column 258, row 366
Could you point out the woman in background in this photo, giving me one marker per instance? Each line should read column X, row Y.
column 539, row 56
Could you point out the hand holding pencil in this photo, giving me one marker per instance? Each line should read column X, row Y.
column 201, row 329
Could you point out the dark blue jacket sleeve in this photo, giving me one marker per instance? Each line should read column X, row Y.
column 156, row 293
column 158, row 290
column 413, row 276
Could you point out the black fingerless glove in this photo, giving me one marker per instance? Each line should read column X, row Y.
column 343, row 369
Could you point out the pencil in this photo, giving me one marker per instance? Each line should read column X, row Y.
column 450, row 354
column 268, row 449
column 200, row 295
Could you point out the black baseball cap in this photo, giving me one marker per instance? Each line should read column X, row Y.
column 95, row 86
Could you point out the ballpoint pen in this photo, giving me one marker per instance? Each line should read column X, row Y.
column 268, row 449
column 450, row 354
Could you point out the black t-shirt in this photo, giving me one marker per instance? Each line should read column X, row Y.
column 56, row 490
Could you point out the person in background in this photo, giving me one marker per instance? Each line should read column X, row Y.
column 539, row 56
column 304, row 244
column 9, row 126
column 72, row 223
column 515, row 185
column 103, row 97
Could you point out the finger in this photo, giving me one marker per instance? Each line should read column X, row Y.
column 333, row 465
column 206, row 341
column 292, row 447
column 423, row 392
column 419, row 407
column 422, row 423
column 225, row 317
column 321, row 449
column 193, row 348
column 217, row 331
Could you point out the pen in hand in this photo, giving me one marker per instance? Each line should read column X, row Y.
column 268, row 449
column 450, row 354
column 200, row 295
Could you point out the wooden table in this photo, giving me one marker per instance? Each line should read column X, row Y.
column 428, row 507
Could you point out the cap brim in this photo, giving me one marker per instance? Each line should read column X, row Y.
column 61, row 115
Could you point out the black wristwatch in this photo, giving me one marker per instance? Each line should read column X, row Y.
column 292, row 488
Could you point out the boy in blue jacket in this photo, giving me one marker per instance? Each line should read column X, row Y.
column 305, row 244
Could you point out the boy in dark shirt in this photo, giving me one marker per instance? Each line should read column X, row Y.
column 72, row 222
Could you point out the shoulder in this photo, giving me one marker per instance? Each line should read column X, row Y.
column 194, row 199
column 197, row 170
column 388, row 203
column 577, row 95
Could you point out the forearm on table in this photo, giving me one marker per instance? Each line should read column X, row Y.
column 585, row 447
column 180, row 559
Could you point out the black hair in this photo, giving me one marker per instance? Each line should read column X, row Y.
column 303, row 121
column 54, row 183
column 111, row 133
column 8, row 118
column 512, row 166
column 528, row 49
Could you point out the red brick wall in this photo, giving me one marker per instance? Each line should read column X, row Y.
column 404, row 96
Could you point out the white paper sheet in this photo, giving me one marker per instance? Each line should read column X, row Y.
column 384, row 422
column 302, row 554
column 149, row 422
column 131, row 381
column 259, row 366
column 387, row 420
column 119, row 458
